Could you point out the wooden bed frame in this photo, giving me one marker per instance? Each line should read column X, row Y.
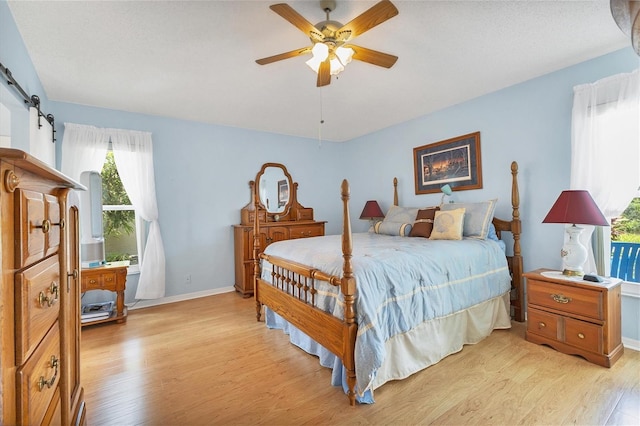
column 292, row 294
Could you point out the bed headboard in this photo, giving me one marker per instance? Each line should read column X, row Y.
column 513, row 226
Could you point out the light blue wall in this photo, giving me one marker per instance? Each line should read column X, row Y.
column 202, row 171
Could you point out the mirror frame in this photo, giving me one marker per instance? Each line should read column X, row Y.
column 258, row 200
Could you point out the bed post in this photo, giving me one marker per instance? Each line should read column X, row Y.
column 256, row 250
column 395, row 191
column 516, row 229
column 348, row 290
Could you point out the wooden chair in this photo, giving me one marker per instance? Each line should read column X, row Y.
column 625, row 261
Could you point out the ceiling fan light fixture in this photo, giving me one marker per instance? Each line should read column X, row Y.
column 320, row 52
column 344, row 54
column 336, row 66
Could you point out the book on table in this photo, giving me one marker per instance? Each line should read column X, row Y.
column 96, row 311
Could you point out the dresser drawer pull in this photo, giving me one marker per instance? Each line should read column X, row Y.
column 48, row 383
column 560, row 298
column 92, row 281
column 580, row 335
column 49, row 301
column 46, row 225
column 541, row 325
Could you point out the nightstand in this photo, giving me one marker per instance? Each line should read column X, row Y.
column 111, row 278
column 575, row 316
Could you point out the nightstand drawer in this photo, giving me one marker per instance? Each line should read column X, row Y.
column 583, row 335
column 99, row 281
column 579, row 301
column 543, row 323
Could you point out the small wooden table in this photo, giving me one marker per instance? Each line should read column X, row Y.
column 111, row 278
column 575, row 316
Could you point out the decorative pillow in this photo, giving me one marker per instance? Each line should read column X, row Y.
column 477, row 217
column 392, row 228
column 398, row 221
column 424, row 222
column 448, row 224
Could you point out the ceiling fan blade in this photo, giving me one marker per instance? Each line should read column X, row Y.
column 288, row 13
column 376, row 15
column 373, row 56
column 324, row 73
column 281, row 56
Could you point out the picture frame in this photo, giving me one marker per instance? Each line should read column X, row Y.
column 283, row 192
column 456, row 161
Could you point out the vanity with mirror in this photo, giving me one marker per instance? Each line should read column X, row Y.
column 274, row 199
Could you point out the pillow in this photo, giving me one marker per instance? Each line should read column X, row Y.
column 448, row 224
column 392, row 228
column 398, row 221
column 424, row 222
column 477, row 217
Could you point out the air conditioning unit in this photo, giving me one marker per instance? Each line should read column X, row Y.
column 91, row 233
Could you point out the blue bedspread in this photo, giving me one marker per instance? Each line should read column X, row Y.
column 401, row 283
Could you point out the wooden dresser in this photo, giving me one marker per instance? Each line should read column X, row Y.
column 289, row 221
column 575, row 316
column 40, row 303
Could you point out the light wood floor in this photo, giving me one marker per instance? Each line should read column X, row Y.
column 207, row 362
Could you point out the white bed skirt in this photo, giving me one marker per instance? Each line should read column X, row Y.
column 434, row 340
column 417, row 349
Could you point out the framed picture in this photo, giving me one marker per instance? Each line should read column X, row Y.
column 455, row 161
column 283, row 192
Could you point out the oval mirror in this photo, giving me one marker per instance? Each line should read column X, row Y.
column 273, row 186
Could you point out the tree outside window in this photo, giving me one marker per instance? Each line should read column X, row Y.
column 626, row 228
column 118, row 216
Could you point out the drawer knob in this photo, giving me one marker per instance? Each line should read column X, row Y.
column 42, row 382
column 559, row 298
column 541, row 325
column 43, row 299
column 92, row 281
column 46, row 225
column 580, row 335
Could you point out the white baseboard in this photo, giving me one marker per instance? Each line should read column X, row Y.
column 631, row 344
column 172, row 299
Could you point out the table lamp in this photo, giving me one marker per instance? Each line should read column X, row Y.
column 575, row 206
column 372, row 211
column 446, row 190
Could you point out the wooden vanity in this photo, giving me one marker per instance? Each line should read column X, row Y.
column 281, row 218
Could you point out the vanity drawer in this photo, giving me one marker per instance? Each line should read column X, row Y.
column 37, row 305
column 579, row 301
column 37, row 380
column 306, row 231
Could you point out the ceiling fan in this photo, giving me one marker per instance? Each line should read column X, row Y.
column 331, row 41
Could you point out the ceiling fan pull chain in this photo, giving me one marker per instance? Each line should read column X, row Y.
column 321, row 121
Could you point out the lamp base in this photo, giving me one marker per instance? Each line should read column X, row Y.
column 572, row 273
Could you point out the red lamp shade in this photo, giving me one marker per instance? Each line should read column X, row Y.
column 371, row 211
column 576, row 206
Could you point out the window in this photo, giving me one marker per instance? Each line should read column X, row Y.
column 122, row 226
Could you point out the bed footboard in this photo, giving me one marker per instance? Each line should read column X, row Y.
column 292, row 295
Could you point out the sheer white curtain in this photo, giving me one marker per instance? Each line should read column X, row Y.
column 133, row 154
column 605, row 145
column 85, row 148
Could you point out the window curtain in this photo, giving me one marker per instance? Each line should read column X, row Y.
column 85, row 148
column 605, row 148
column 133, row 155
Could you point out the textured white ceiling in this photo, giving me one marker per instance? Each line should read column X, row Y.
column 194, row 60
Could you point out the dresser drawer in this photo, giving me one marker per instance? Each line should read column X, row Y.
column 543, row 323
column 99, row 281
column 37, row 226
column 579, row 301
column 584, row 335
column 37, row 305
column 37, row 380
column 306, row 231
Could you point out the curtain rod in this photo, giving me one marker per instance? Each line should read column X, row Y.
column 30, row 101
